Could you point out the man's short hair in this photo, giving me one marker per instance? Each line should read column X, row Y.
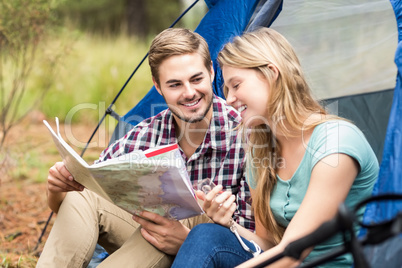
column 174, row 42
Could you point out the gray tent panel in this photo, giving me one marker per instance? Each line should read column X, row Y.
column 369, row 111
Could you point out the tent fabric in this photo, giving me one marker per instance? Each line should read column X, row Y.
column 397, row 6
column 390, row 176
column 265, row 13
column 346, row 47
column 375, row 108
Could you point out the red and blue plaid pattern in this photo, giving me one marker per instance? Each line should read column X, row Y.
column 220, row 157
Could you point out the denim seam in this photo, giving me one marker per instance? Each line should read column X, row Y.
column 242, row 254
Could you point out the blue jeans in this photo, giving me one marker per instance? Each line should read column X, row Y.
column 212, row 245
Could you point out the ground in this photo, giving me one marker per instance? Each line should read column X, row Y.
column 23, row 170
column 23, row 217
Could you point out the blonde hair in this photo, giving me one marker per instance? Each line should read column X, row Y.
column 174, row 42
column 290, row 98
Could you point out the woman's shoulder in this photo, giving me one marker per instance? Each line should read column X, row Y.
column 336, row 125
column 337, row 129
column 341, row 136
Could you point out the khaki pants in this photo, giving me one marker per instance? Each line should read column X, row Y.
column 85, row 219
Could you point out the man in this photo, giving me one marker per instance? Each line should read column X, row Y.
column 202, row 125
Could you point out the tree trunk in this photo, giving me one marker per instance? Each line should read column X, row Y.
column 137, row 19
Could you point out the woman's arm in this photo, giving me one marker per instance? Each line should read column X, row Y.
column 261, row 236
column 330, row 182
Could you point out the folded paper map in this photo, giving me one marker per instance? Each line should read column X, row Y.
column 155, row 180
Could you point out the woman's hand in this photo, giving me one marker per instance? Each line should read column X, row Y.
column 219, row 206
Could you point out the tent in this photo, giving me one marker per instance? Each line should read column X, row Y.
column 346, row 47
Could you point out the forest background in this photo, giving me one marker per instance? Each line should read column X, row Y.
column 65, row 59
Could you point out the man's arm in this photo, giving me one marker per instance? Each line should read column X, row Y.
column 59, row 182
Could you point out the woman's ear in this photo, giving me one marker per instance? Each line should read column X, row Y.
column 274, row 70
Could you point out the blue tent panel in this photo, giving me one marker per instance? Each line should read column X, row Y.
column 390, row 176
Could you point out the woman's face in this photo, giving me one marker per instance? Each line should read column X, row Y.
column 248, row 93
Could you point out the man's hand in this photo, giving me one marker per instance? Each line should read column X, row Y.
column 164, row 234
column 60, row 180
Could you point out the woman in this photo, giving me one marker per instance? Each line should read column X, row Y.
column 302, row 162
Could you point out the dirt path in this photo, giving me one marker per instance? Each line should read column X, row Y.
column 23, row 214
column 23, row 171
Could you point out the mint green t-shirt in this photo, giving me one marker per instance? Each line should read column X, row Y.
column 336, row 136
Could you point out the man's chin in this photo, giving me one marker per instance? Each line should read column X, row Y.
column 193, row 119
column 192, row 116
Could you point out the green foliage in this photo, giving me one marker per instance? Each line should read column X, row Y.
column 100, row 16
column 93, row 73
column 5, row 263
column 31, row 166
column 95, row 66
column 161, row 14
column 115, row 17
column 24, row 24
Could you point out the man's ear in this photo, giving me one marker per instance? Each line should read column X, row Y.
column 156, row 85
column 274, row 70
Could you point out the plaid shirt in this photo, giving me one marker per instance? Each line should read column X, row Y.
column 220, row 156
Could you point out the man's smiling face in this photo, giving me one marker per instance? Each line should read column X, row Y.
column 186, row 85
